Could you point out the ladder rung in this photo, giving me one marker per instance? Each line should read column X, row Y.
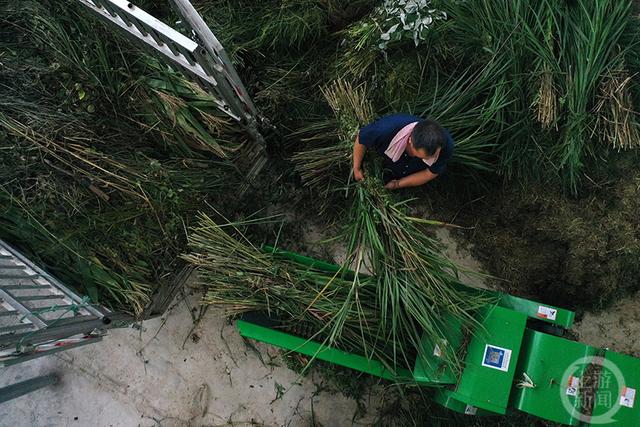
column 187, row 55
column 155, row 36
column 9, row 313
column 3, row 256
column 12, row 267
column 17, row 327
column 20, row 287
column 19, row 276
column 57, row 307
column 108, row 7
column 116, row 12
column 62, row 321
column 27, row 298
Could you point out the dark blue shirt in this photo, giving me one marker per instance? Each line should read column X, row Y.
column 378, row 135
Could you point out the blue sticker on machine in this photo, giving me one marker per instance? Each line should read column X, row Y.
column 496, row 357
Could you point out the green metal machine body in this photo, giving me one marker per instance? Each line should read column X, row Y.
column 512, row 363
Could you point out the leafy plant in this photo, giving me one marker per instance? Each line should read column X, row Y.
column 401, row 19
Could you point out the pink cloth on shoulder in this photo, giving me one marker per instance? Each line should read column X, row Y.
column 399, row 143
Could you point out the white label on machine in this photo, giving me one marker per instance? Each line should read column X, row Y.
column 628, row 397
column 573, row 385
column 496, row 357
column 436, row 351
column 470, row 410
column 547, row 312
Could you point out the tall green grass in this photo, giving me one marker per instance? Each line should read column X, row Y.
column 554, row 58
column 85, row 185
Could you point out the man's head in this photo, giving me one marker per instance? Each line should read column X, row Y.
column 427, row 139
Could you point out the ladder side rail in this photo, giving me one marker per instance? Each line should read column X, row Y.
column 81, row 325
column 25, row 357
column 222, row 87
column 215, row 49
column 167, row 43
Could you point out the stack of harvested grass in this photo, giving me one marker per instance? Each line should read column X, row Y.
column 184, row 116
column 617, row 118
column 592, row 32
column 382, row 317
column 109, row 220
column 323, row 166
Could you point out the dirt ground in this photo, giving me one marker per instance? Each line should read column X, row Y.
column 169, row 373
column 616, row 327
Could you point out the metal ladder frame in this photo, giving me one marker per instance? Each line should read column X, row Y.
column 35, row 335
column 203, row 59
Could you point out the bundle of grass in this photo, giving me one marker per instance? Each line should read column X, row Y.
column 74, row 157
column 361, row 52
column 238, row 277
column 546, row 102
column 587, row 59
column 324, row 166
column 184, row 116
column 353, row 312
column 417, row 286
column 617, row 119
column 540, row 40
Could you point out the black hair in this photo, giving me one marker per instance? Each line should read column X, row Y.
column 428, row 135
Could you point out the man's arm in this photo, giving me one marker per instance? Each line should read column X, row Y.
column 358, row 156
column 413, row 180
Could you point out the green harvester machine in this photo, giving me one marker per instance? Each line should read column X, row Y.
column 517, row 361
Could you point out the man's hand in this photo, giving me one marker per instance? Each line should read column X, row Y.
column 392, row 185
column 358, row 156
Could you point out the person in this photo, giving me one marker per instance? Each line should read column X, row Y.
column 414, row 150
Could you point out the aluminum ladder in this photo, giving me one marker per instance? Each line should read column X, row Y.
column 200, row 56
column 39, row 315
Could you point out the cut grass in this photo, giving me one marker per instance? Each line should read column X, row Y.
column 382, row 317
